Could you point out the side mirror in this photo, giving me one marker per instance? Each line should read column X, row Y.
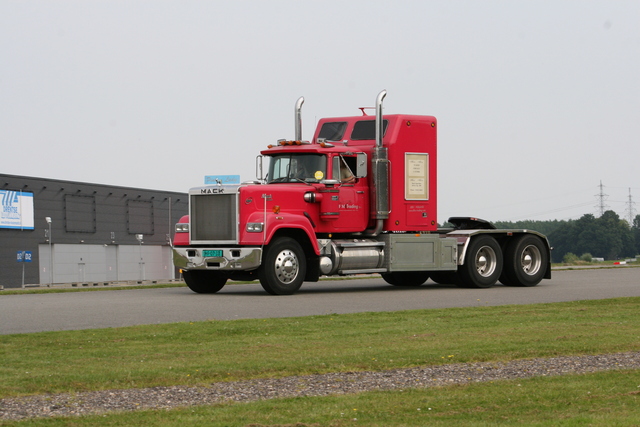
column 361, row 167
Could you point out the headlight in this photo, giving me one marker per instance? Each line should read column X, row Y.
column 182, row 227
column 254, row 227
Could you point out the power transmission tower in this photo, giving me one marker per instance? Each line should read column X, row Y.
column 630, row 210
column 601, row 206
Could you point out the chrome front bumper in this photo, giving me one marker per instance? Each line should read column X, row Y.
column 232, row 259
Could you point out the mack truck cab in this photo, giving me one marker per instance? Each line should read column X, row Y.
column 359, row 198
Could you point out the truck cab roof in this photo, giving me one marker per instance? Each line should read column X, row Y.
column 344, row 134
column 360, row 130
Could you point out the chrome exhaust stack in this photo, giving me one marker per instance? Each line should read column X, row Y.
column 298, row 118
column 380, row 173
column 379, row 122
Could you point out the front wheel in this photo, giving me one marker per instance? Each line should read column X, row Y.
column 284, row 267
column 525, row 262
column 203, row 281
column 483, row 263
column 406, row 278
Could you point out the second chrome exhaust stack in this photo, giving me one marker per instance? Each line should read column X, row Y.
column 380, row 173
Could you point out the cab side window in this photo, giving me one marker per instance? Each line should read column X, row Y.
column 343, row 169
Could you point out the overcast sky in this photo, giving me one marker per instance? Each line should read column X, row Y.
column 537, row 101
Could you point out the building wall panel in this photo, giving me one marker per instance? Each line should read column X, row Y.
column 95, row 222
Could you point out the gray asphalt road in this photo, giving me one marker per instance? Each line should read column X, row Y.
column 84, row 310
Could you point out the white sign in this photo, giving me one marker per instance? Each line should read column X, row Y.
column 416, row 179
column 16, row 210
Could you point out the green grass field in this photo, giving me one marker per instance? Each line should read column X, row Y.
column 203, row 352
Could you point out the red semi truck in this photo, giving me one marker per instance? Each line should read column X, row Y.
column 360, row 197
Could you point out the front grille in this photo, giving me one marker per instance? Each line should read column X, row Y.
column 213, row 217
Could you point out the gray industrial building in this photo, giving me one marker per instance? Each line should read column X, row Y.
column 55, row 231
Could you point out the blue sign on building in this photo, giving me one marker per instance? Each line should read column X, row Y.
column 16, row 210
column 222, row 179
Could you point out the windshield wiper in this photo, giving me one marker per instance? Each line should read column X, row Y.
column 301, row 180
column 281, row 179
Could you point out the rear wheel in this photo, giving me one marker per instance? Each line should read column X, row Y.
column 483, row 263
column 525, row 262
column 284, row 267
column 203, row 281
column 406, row 278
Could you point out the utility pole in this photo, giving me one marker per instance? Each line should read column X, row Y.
column 601, row 206
column 630, row 209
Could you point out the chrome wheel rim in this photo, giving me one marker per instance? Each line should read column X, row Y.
column 531, row 260
column 287, row 266
column 486, row 261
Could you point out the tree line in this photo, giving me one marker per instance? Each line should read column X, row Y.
column 607, row 236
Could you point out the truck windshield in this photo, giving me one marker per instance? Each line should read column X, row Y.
column 297, row 168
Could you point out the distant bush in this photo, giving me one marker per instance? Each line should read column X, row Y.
column 586, row 257
column 570, row 258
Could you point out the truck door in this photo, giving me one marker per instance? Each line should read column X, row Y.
column 352, row 195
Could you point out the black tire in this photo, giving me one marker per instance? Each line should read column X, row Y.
column 204, row 281
column 283, row 267
column 525, row 262
column 483, row 263
column 503, row 277
column 445, row 277
column 406, row 278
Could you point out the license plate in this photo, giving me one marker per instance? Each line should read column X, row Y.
column 215, row 253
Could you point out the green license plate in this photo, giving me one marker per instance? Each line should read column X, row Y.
column 215, row 253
